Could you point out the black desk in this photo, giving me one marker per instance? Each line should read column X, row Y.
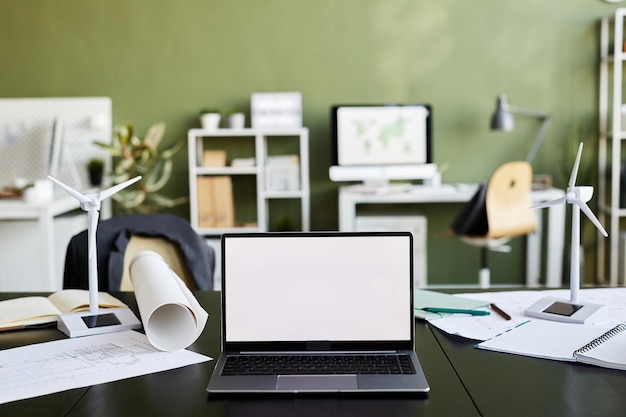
column 511, row 385
column 181, row 392
column 465, row 381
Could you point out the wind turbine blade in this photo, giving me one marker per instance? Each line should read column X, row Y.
column 80, row 197
column 585, row 209
column 92, row 228
column 550, row 203
column 572, row 178
column 110, row 191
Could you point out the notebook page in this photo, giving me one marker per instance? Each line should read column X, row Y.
column 545, row 339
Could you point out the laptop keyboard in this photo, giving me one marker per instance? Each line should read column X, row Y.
column 318, row 364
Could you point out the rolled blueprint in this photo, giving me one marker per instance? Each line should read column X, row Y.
column 172, row 317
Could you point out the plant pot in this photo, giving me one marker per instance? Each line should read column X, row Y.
column 95, row 178
column 237, row 121
column 210, row 121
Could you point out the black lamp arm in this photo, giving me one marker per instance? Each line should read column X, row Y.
column 542, row 130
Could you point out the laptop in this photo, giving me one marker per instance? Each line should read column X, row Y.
column 318, row 312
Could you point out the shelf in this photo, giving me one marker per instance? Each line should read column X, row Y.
column 227, row 170
column 282, row 194
column 246, row 132
column 240, row 200
column 215, row 231
column 610, row 154
column 620, row 212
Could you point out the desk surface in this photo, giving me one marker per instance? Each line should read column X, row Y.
column 509, row 385
column 445, row 193
column 182, row 391
column 464, row 382
column 18, row 209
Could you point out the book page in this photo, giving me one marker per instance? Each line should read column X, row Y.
column 545, row 339
column 71, row 301
column 26, row 311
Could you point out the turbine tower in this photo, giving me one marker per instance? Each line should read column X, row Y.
column 91, row 204
column 571, row 311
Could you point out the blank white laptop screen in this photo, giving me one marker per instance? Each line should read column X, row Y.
column 330, row 288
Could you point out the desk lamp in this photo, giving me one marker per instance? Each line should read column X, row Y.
column 571, row 311
column 94, row 322
column 503, row 120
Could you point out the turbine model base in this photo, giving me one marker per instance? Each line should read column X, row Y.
column 549, row 308
column 108, row 320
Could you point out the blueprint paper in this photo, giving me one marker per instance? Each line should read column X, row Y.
column 45, row 368
column 172, row 317
column 515, row 302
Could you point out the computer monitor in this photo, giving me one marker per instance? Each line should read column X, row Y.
column 378, row 143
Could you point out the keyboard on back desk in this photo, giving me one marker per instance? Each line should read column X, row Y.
column 317, row 364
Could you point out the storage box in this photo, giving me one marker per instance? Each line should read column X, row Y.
column 216, row 206
column 276, row 110
column 214, row 159
column 282, row 173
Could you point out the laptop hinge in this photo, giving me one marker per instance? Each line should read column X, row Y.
column 318, row 346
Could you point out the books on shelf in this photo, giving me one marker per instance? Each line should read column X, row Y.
column 38, row 310
column 243, row 163
column 600, row 345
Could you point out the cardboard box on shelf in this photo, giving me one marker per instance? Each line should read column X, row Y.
column 216, row 206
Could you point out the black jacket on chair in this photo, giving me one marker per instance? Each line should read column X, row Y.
column 113, row 236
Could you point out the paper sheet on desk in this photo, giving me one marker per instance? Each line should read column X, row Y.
column 515, row 302
column 44, row 368
column 172, row 317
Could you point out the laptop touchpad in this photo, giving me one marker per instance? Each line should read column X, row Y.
column 316, row 382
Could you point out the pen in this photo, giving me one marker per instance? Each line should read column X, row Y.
column 456, row 310
column 500, row 312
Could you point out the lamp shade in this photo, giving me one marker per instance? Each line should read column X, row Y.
column 502, row 118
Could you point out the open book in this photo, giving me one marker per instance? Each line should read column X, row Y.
column 30, row 311
column 600, row 345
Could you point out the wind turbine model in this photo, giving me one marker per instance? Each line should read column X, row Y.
column 93, row 321
column 571, row 311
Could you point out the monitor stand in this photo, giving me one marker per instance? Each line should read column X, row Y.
column 380, row 187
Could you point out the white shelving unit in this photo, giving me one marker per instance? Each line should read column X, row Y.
column 612, row 58
column 258, row 140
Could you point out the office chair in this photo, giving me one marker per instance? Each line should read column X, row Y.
column 119, row 238
column 498, row 211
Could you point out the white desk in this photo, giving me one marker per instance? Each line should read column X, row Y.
column 447, row 193
column 43, row 214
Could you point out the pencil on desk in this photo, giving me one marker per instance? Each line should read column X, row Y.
column 500, row 312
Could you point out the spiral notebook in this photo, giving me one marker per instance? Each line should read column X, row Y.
column 600, row 345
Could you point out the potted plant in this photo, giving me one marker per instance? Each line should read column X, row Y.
column 210, row 119
column 142, row 157
column 236, row 119
column 95, row 168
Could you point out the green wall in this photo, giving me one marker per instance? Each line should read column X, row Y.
column 164, row 60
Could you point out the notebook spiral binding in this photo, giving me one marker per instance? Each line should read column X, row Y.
column 599, row 340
